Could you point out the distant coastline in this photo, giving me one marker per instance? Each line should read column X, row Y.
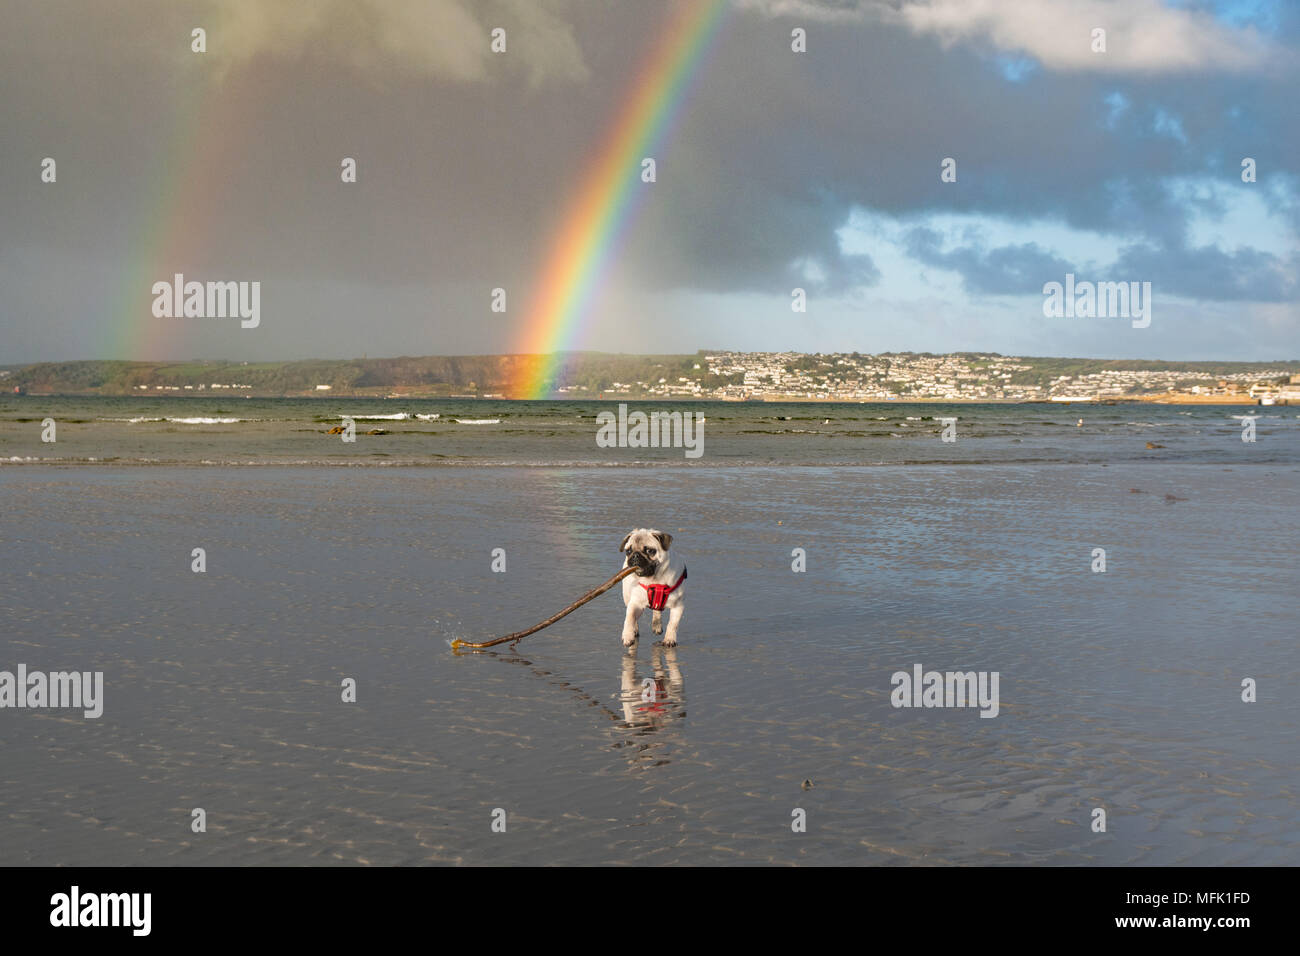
column 965, row 377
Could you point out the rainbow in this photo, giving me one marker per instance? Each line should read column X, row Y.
column 192, row 176
column 610, row 189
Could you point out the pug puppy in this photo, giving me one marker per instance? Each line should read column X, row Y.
column 657, row 584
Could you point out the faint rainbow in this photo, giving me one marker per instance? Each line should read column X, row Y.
column 191, row 174
column 603, row 204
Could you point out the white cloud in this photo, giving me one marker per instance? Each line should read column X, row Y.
column 1142, row 36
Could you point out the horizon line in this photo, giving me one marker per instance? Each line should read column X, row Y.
column 644, row 355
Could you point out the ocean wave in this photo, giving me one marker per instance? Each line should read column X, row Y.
column 180, row 421
column 479, row 421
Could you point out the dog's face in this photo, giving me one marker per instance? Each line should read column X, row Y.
column 646, row 550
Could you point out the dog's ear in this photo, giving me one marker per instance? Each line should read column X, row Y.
column 623, row 547
column 665, row 539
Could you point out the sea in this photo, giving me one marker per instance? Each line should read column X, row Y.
column 232, row 431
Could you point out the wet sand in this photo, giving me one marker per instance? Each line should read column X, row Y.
column 222, row 690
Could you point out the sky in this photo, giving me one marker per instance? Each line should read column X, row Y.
column 818, row 170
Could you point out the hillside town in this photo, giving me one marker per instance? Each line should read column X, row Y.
column 794, row 376
column 704, row 376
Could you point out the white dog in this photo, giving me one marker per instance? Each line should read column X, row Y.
column 657, row 584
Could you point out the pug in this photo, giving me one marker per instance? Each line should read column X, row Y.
column 657, row 584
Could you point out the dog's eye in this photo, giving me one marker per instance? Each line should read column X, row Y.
column 650, row 551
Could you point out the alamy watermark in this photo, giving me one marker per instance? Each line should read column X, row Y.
column 655, row 430
column 948, row 689
column 210, row 300
column 37, row 689
column 1098, row 300
column 76, row 908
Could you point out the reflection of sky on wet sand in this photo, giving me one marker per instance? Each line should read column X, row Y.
column 223, row 690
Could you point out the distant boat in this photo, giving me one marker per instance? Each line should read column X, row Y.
column 1267, row 400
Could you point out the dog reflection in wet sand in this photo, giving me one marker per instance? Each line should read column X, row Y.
column 657, row 584
column 651, row 702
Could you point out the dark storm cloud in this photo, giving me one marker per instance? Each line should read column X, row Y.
column 1210, row 274
column 1006, row 270
column 1206, row 273
column 228, row 164
column 779, row 147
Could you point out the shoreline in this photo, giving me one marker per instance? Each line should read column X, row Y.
column 1158, row 399
column 667, row 465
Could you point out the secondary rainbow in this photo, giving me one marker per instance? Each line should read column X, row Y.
column 174, row 231
column 609, row 191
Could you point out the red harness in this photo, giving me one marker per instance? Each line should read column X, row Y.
column 658, row 593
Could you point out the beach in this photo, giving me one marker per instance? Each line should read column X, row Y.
column 223, row 689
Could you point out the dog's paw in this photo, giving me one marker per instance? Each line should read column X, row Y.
column 658, row 628
column 669, row 642
column 629, row 641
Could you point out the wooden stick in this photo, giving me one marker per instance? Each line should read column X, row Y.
column 590, row 595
